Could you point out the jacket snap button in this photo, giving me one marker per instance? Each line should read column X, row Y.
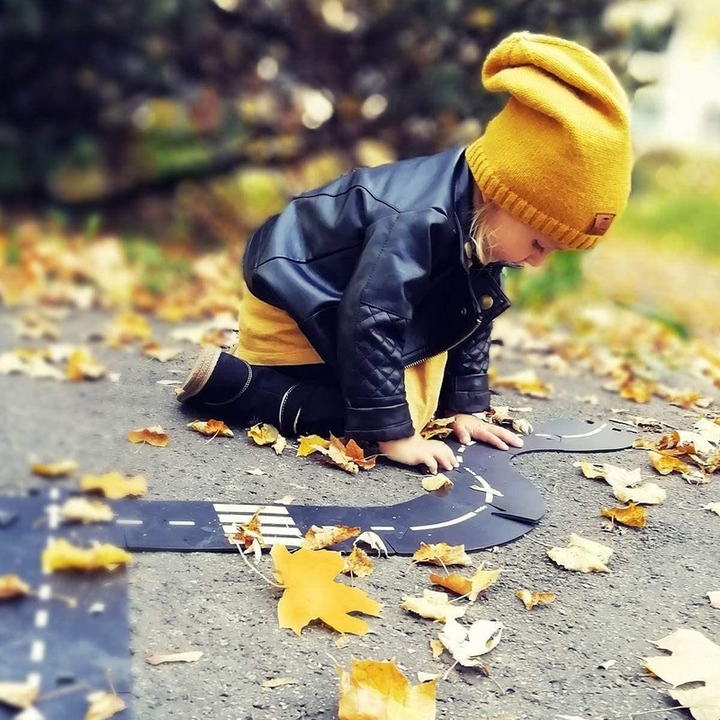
column 463, row 311
column 486, row 302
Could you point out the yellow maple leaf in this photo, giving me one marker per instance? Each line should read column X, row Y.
column 211, row 427
column 115, row 486
column 633, row 515
column 375, row 690
column 310, row 444
column 472, row 587
column 263, row 434
column 60, row 555
column 103, row 705
column 665, row 463
column 442, row 554
column 61, row 468
column 358, row 563
column 11, row 586
column 83, row 366
column 531, row 598
column 154, row 436
column 317, row 538
column 311, row 592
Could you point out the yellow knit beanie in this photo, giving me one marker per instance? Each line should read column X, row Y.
column 558, row 155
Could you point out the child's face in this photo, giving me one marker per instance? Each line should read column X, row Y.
column 514, row 243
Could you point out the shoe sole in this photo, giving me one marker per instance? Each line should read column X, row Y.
column 200, row 373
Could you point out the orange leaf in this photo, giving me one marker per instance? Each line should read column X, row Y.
column 317, row 538
column 375, row 690
column 311, row 592
column 155, row 436
column 56, row 469
column 11, row 586
column 633, row 515
column 357, row 455
column 481, row 580
column 115, row 486
column 250, row 531
column 211, row 427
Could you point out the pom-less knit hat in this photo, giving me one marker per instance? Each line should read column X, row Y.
column 558, row 155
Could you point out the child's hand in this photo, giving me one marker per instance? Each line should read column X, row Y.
column 468, row 427
column 416, row 451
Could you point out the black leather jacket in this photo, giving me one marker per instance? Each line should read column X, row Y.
column 372, row 268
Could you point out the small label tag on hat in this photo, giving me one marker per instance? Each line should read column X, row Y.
column 601, row 223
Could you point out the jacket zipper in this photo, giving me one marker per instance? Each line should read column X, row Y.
column 478, row 322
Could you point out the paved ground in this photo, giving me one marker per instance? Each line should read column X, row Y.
column 550, row 661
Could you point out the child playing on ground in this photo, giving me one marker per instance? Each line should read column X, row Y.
column 369, row 301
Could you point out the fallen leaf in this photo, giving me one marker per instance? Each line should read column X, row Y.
column 472, row 587
column 161, row 354
column 114, row 486
column 426, row 676
column 279, row 445
column 582, row 555
column 589, row 399
column 665, row 464
column 633, row 515
column 18, row 695
column 373, row 540
column 714, row 598
column 11, row 586
column 154, row 436
column 317, row 538
column 436, row 647
column 436, row 482
column 467, row 645
column 255, row 471
column 183, row 657
column 250, row 531
column 637, row 389
column 531, row 598
column 104, row 705
column 78, row 509
column 442, row 554
column 526, row 383
column 709, row 430
column 125, row 328
column 616, row 477
column 433, row 606
column 278, row 682
column 358, row 563
column 647, row 494
column 713, row 507
column 83, row 366
column 311, row 592
column 61, row 468
column 211, row 428
column 437, row 428
column 263, row 434
column 694, row 658
column 522, row 426
column 309, row 444
column 60, row 555
column 375, row 690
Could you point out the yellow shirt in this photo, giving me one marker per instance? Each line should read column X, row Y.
column 269, row 336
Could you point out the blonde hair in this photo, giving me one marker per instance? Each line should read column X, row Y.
column 481, row 233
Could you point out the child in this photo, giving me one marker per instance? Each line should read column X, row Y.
column 369, row 301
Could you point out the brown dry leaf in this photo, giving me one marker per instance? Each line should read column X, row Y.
column 437, row 428
column 58, row 469
column 211, row 428
column 357, row 455
column 309, row 444
column 311, row 592
column 114, row 486
column 11, row 586
column 83, row 366
column 358, row 563
column 104, row 705
column 647, row 494
column 162, row 354
column 317, row 538
column 582, row 555
column 693, row 659
column 467, row 645
column 713, row 507
column 78, row 509
column 183, row 657
column 154, row 436
column 442, row 554
column 375, row 690
column 531, row 598
column 436, row 482
column 250, row 531
column 633, row 515
column 61, row 556
column 472, row 587
column 263, row 434
column 436, row 647
column 526, row 383
column 19, row 695
column 665, row 464
column 433, row 606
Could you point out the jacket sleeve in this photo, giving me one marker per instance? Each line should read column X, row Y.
column 465, row 385
column 374, row 315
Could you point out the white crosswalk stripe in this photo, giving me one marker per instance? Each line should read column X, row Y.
column 276, row 524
